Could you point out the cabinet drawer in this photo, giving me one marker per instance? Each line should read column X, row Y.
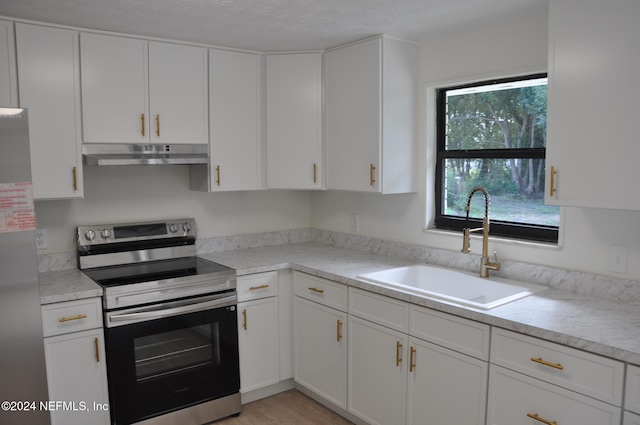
column 71, row 316
column 256, row 286
column 586, row 373
column 459, row 334
column 382, row 310
column 323, row 291
column 513, row 396
column 632, row 394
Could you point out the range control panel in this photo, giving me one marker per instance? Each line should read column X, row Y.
column 130, row 232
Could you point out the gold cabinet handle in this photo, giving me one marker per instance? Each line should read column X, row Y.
column 412, row 359
column 398, row 353
column 75, row 179
column 319, row 291
column 142, row 120
column 158, row 125
column 339, row 331
column 546, row 363
column 372, row 175
column 315, row 172
column 218, row 175
column 95, row 340
column 255, row 288
column 244, row 319
column 68, row 319
column 539, row 419
column 552, row 185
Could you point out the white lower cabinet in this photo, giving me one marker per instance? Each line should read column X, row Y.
column 437, row 377
column 258, row 330
column 320, row 354
column 517, row 399
column 377, row 372
column 75, row 359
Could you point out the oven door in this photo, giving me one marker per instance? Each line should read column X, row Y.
column 171, row 357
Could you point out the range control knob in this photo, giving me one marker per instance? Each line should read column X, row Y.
column 186, row 227
column 173, row 227
column 90, row 235
column 106, row 234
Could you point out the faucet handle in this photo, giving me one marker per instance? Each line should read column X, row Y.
column 466, row 244
column 495, row 255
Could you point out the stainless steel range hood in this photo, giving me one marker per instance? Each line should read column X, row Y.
column 144, row 154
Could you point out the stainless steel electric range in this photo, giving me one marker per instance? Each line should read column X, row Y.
column 170, row 323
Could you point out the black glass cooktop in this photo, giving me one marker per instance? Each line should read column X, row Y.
column 128, row 274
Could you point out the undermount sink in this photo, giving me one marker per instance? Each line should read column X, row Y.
column 452, row 286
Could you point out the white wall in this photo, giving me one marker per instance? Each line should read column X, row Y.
column 139, row 193
column 510, row 48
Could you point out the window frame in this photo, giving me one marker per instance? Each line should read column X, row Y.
column 526, row 231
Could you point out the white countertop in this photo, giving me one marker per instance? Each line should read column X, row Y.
column 600, row 326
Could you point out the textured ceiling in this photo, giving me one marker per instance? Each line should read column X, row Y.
column 272, row 25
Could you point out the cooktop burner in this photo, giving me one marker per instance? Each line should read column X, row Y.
column 127, row 274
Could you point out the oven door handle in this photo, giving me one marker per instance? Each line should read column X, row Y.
column 161, row 312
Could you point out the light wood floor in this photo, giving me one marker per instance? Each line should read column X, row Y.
column 287, row 408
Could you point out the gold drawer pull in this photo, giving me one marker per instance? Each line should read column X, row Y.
column 158, row 125
column 372, row 178
column 75, row 178
column 552, row 185
column 255, row 288
column 398, row 353
column 315, row 172
column 142, row 121
column 319, row 291
column 539, row 419
column 68, row 319
column 218, row 175
column 339, row 331
column 546, row 363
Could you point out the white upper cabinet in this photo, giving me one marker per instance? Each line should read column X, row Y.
column 294, row 121
column 134, row 91
column 178, row 97
column 8, row 83
column 371, row 106
column 235, row 85
column 49, row 81
column 594, row 63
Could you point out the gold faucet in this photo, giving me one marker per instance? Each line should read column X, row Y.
column 485, row 265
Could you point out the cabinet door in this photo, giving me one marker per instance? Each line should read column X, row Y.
column 631, row 419
column 178, row 93
column 445, row 387
column 516, row 399
column 294, row 121
column 592, row 103
column 115, row 99
column 258, row 343
column 49, row 74
column 235, row 120
column 76, row 373
column 320, row 353
column 377, row 372
column 8, row 83
column 353, row 112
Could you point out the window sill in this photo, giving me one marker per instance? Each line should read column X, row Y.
column 499, row 239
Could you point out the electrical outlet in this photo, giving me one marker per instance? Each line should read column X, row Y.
column 41, row 239
column 618, row 258
column 353, row 223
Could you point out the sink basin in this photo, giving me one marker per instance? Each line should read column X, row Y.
column 452, row 286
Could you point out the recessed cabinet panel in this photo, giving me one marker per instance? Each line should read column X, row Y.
column 49, row 74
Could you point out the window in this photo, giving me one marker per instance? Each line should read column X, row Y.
column 493, row 134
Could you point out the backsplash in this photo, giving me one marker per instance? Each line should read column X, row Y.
column 611, row 288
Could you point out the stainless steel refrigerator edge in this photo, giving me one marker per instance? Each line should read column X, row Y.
column 22, row 366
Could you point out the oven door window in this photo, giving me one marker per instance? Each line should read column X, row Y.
column 163, row 365
column 162, row 354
